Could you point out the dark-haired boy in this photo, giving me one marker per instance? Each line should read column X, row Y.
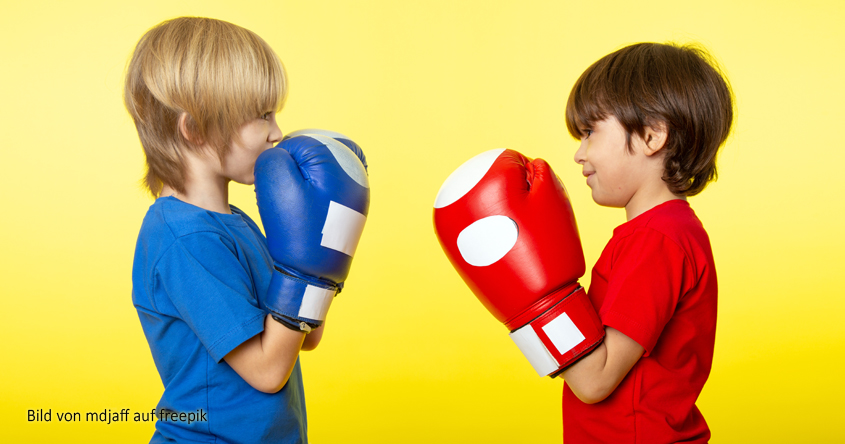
column 651, row 118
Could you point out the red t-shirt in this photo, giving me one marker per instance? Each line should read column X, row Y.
column 655, row 282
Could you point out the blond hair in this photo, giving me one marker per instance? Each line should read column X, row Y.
column 217, row 74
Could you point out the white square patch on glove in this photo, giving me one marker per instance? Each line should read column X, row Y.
column 343, row 229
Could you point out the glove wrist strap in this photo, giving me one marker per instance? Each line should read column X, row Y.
column 562, row 335
column 298, row 299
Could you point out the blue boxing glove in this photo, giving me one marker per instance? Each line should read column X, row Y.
column 313, row 196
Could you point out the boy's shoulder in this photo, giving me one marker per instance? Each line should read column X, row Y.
column 170, row 221
column 172, row 218
column 674, row 220
column 171, row 225
column 672, row 216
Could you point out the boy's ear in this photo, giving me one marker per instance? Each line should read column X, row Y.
column 187, row 128
column 655, row 138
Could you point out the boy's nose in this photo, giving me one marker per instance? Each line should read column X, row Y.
column 580, row 157
column 275, row 135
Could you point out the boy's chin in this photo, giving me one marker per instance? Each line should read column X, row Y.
column 605, row 202
column 244, row 180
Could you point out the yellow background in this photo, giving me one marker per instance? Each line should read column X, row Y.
column 409, row 355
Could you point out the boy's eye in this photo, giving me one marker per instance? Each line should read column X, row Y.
column 585, row 133
column 267, row 115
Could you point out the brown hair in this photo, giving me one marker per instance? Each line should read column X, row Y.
column 650, row 84
column 218, row 74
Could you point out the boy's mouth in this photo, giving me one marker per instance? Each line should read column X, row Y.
column 588, row 175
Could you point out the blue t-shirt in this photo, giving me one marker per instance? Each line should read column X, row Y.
column 194, row 283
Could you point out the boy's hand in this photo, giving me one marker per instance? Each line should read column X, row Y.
column 507, row 226
column 313, row 196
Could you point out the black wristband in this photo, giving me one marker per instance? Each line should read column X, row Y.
column 293, row 324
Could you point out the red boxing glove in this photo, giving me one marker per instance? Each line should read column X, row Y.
column 507, row 226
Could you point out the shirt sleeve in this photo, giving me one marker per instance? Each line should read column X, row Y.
column 645, row 284
column 212, row 291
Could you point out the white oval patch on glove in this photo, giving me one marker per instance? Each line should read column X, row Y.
column 487, row 240
column 465, row 178
column 350, row 163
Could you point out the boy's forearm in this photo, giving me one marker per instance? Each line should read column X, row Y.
column 585, row 377
column 266, row 360
column 593, row 378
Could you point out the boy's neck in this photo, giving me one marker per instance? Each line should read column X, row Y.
column 205, row 187
column 206, row 197
column 648, row 198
